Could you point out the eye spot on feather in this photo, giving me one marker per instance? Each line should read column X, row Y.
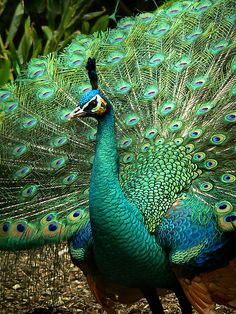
column 178, row 141
column 160, row 30
column 74, row 60
column 218, row 47
column 145, row 148
column 156, row 60
column 175, row 126
column 77, row 47
column 205, row 186
column 228, row 178
column 74, row 216
column 29, row 122
column 37, row 73
column 19, row 150
column 64, row 115
column 5, row 227
column 204, row 108
column 52, row 227
column 189, row 148
column 199, row 156
column 11, row 106
column 150, row 133
column 218, row 139
column 210, row 164
column 167, row 108
column 126, row 24
column 132, row 120
column 174, row 10
column 150, row 92
column 202, row 7
column 230, row 117
column 85, row 41
column 159, row 141
column 227, row 222
column 58, row 141
column 145, row 18
column 128, row 158
column 194, row 35
column 196, row 133
column 115, row 57
column 49, row 217
column 230, row 218
column 20, row 228
column 29, row 191
column 70, row 178
column 58, row 162
column 23, row 172
column 122, row 87
column 125, row 142
column 223, row 207
column 4, row 94
column 198, row 82
column 81, row 89
column 182, row 64
column 45, row 93
column 117, row 38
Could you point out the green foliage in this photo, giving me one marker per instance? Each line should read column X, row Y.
column 32, row 28
column 39, row 27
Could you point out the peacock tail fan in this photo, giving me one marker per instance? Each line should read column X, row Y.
column 170, row 76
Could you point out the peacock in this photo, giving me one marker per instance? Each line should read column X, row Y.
column 124, row 145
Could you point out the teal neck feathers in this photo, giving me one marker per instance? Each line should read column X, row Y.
column 120, row 236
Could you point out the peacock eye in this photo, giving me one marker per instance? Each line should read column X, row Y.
column 91, row 105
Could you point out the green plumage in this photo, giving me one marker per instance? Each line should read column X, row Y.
column 170, row 79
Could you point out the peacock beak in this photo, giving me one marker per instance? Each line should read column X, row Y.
column 78, row 112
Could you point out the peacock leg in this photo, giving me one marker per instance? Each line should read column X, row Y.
column 153, row 300
column 186, row 307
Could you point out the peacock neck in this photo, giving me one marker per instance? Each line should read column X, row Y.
column 104, row 184
column 105, row 164
column 122, row 246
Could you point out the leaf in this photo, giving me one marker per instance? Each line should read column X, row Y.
column 37, row 43
column 85, row 27
column 12, row 53
column 5, row 71
column 101, row 24
column 2, row 6
column 25, row 43
column 15, row 23
column 66, row 18
column 92, row 15
column 47, row 31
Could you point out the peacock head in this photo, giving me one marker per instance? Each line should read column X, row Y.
column 93, row 103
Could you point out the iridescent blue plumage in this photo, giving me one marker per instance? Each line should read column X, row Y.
column 88, row 96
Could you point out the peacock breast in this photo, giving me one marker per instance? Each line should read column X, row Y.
column 156, row 179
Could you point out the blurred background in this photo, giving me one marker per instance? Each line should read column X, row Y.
column 31, row 28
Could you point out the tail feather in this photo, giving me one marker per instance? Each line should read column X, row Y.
column 170, row 77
